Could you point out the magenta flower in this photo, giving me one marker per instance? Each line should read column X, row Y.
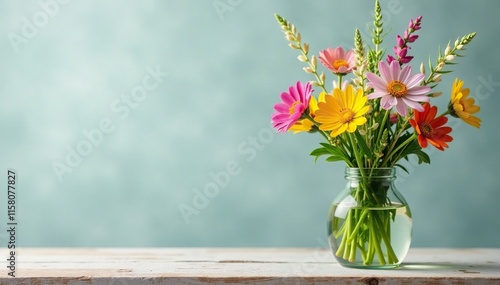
column 293, row 105
column 397, row 87
column 337, row 60
column 401, row 48
column 414, row 25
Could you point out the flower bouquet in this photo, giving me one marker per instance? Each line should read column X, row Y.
column 377, row 114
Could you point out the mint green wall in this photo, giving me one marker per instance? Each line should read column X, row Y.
column 167, row 99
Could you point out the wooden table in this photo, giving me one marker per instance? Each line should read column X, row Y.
column 242, row 266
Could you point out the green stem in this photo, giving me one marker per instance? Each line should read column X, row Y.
column 358, row 225
column 392, row 258
column 374, row 231
column 321, row 132
column 394, row 141
column 407, row 141
column 356, row 153
column 381, row 127
column 447, row 112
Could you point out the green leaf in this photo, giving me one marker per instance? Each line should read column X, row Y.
column 402, row 167
column 362, row 144
column 414, row 148
column 444, row 71
column 333, row 150
column 334, row 158
column 422, row 156
column 320, row 151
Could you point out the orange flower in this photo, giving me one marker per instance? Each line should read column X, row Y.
column 431, row 129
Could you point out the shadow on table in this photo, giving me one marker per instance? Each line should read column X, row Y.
column 463, row 267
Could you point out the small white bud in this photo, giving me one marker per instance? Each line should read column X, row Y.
column 322, row 77
column 308, row 69
column 302, row 58
column 363, row 67
column 450, row 57
column 447, row 50
column 436, row 78
column 422, row 68
column 437, row 94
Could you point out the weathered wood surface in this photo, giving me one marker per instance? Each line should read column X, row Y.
column 242, row 266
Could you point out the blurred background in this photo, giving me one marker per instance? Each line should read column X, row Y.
column 147, row 123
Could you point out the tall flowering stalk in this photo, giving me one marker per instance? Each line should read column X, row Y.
column 378, row 113
column 402, row 47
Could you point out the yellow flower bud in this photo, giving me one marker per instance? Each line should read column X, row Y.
column 422, row 68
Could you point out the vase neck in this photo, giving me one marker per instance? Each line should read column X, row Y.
column 387, row 173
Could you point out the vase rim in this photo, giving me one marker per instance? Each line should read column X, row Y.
column 371, row 168
column 364, row 172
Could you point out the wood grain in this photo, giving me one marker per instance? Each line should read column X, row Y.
column 243, row 266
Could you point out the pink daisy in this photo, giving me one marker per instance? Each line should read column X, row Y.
column 337, row 60
column 398, row 87
column 293, row 105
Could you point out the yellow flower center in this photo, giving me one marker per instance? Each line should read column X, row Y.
column 426, row 130
column 292, row 108
column 339, row 63
column 346, row 116
column 397, row 89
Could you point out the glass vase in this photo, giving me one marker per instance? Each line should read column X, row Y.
column 370, row 222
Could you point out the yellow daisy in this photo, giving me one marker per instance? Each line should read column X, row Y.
column 344, row 111
column 461, row 106
column 306, row 125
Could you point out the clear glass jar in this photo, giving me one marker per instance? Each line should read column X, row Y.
column 370, row 222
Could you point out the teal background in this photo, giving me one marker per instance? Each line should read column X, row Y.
column 224, row 65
